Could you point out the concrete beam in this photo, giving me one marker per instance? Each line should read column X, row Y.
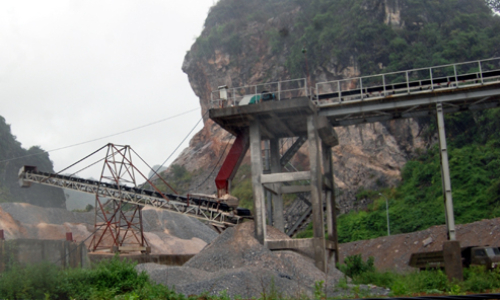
column 297, row 103
column 270, row 188
column 326, row 132
column 293, row 189
column 331, row 214
column 282, row 124
column 290, row 244
column 453, row 261
column 316, row 191
column 424, row 112
column 258, row 190
column 278, row 206
column 284, row 177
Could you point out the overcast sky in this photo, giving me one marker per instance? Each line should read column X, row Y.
column 73, row 71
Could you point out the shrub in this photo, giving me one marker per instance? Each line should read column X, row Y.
column 354, row 265
column 113, row 279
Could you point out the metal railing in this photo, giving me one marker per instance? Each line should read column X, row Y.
column 286, row 89
column 415, row 81
column 422, row 80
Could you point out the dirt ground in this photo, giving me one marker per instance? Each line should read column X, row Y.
column 393, row 252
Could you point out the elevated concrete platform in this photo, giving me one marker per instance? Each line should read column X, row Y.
column 277, row 119
column 274, row 120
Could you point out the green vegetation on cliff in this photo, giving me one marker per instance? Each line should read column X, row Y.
column 10, row 191
column 428, row 33
column 372, row 35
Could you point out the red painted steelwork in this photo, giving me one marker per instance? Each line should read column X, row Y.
column 116, row 224
column 69, row 236
column 231, row 163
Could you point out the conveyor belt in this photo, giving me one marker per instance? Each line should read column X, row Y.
column 426, row 84
column 213, row 210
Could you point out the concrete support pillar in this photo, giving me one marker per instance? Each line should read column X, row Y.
column 331, row 217
column 267, row 170
column 258, row 190
column 453, row 260
column 445, row 174
column 316, row 188
column 279, row 220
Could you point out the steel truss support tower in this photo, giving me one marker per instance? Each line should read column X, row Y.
column 118, row 225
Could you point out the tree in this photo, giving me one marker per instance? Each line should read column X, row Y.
column 494, row 4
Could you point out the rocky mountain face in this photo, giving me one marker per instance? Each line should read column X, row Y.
column 251, row 42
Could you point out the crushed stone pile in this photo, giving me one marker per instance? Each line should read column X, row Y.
column 237, row 264
column 177, row 225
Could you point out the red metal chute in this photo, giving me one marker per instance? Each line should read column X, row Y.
column 231, row 163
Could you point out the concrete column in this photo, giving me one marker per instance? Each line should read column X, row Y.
column 258, row 190
column 453, row 260
column 316, row 187
column 279, row 220
column 331, row 217
column 267, row 170
column 445, row 174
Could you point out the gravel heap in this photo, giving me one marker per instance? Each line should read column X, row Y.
column 235, row 262
column 177, row 225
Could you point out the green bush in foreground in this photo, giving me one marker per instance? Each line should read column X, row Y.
column 113, row 279
column 476, row 279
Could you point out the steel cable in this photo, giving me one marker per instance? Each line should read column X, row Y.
column 101, row 138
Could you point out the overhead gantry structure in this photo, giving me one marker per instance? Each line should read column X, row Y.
column 295, row 110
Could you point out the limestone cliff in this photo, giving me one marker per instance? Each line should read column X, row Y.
column 257, row 41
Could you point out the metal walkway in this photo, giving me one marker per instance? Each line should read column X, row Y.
column 408, row 94
column 413, row 93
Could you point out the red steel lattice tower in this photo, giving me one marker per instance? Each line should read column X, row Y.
column 118, row 225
